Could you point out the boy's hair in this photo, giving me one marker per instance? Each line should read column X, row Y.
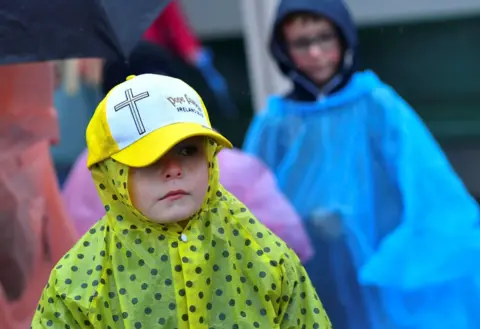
column 303, row 16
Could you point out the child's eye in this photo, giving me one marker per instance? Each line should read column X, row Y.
column 189, row 150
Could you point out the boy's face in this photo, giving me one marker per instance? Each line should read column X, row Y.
column 173, row 188
column 314, row 46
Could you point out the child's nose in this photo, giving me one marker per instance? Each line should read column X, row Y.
column 315, row 50
column 172, row 169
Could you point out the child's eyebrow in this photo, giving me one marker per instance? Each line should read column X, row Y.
column 188, row 144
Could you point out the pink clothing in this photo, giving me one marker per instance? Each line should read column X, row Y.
column 241, row 174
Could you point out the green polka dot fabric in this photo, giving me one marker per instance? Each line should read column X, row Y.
column 224, row 270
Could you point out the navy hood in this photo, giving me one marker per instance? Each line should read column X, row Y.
column 337, row 12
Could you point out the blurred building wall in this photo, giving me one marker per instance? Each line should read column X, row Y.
column 219, row 19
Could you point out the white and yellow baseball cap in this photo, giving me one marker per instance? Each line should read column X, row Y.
column 142, row 118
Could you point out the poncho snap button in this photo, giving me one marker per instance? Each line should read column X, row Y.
column 183, row 237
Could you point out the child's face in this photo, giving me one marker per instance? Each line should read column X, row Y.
column 173, row 188
column 314, row 46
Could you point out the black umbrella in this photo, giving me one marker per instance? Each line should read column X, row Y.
column 41, row 30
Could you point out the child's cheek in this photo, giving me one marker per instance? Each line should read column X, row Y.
column 335, row 56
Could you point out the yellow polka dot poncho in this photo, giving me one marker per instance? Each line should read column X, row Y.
column 224, row 270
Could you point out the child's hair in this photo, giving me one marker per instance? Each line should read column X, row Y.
column 303, row 16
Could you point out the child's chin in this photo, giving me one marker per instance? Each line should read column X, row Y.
column 171, row 216
column 321, row 78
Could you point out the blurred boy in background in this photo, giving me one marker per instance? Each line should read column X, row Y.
column 394, row 227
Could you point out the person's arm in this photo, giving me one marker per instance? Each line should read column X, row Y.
column 430, row 187
column 439, row 234
column 300, row 306
column 53, row 313
column 264, row 198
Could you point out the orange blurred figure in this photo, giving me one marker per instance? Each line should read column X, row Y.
column 35, row 229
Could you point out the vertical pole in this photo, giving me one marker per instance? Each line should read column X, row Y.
column 265, row 79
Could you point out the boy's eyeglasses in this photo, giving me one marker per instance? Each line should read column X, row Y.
column 326, row 42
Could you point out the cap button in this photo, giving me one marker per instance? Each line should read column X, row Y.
column 130, row 77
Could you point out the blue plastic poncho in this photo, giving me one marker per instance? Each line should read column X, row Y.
column 404, row 236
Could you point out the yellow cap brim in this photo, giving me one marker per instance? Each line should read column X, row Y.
column 153, row 146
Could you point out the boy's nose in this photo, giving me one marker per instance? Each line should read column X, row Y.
column 315, row 50
column 172, row 169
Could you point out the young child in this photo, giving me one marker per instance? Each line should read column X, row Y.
column 380, row 199
column 175, row 249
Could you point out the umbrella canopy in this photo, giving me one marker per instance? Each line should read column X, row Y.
column 34, row 31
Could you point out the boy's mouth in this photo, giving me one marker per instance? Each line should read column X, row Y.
column 174, row 195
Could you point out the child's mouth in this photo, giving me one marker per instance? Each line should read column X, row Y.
column 174, row 195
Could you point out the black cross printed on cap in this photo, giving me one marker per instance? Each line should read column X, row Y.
column 131, row 102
